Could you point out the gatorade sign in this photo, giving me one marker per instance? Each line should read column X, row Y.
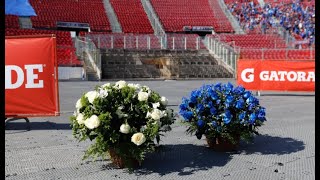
column 276, row 75
column 31, row 82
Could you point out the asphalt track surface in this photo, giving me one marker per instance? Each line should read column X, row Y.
column 285, row 150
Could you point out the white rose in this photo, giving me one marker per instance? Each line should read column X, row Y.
column 156, row 114
column 80, row 118
column 106, row 85
column 147, row 89
column 155, row 105
column 143, row 96
column 125, row 128
column 120, row 84
column 92, row 122
column 164, row 113
column 135, row 86
column 148, row 114
column 138, row 138
column 164, row 101
column 103, row 93
column 92, row 95
column 79, row 104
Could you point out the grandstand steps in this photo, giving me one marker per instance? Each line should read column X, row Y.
column 234, row 23
column 25, row 22
column 91, row 76
column 114, row 23
column 153, row 18
column 160, row 64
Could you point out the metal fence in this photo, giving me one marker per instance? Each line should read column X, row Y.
column 223, row 51
column 90, row 54
column 145, row 42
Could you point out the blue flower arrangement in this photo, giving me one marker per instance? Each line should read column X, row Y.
column 222, row 111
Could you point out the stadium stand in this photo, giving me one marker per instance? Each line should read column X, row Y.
column 221, row 20
column 133, row 19
column 82, row 11
column 65, row 49
column 12, row 21
column 174, row 15
column 261, row 46
column 294, row 16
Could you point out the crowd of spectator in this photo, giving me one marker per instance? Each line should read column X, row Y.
column 295, row 17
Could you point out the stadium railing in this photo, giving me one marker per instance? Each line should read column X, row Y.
column 223, row 51
column 90, row 54
column 145, row 42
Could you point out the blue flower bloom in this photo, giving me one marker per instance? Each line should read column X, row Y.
column 200, row 108
column 251, row 107
column 183, row 106
column 227, row 117
column 228, row 88
column 218, row 101
column 252, row 100
column 239, row 90
column 227, row 105
column 229, row 99
column 194, row 96
column 210, row 104
column 217, row 87
column 214, row 124
column 262, row 114
column 213, row 110
column 187, row 115
column 212, row 94
column 200, row 123
column 240, row 104
column 247, row 94
column 252, row 118
column 242, row 115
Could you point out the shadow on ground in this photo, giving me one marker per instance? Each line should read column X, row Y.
column 265, row 144
column 14, row 125
column 185, row 159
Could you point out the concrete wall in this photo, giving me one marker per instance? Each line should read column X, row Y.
column 68, row 73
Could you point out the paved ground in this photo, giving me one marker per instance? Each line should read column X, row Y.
column 285, row 150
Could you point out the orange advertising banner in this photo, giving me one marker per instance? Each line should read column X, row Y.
column 276, row 75
column 31, row 78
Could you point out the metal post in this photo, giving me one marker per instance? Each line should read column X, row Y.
column 137, row 42
column 111, row 42
column 172, row 42
column 185, row 43
column 148, row 42
column 99, row 41
column 197, row 41
column 124, row 42
column 161, row 42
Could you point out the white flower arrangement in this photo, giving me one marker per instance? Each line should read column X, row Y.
column 121, row 116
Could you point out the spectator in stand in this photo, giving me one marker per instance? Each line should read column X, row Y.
column 294, row 17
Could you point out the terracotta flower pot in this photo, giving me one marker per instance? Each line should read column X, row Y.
column 222, row 144
column 120, row 162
